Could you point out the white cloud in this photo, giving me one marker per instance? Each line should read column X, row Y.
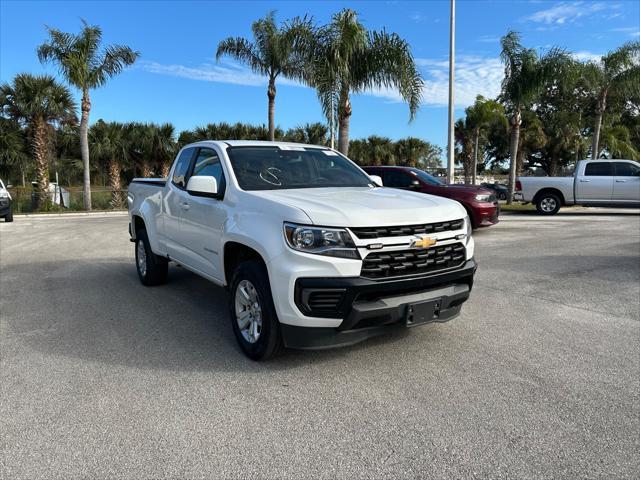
column 223, row 73
column 569, row 12
column 632, row 31
column 585, row 56
column 474, row 75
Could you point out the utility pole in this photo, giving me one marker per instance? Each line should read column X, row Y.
column 452, row 48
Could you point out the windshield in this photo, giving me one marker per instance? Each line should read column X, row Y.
column 277, row 168
column 425, row 177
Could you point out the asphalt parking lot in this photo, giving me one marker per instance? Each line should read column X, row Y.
column 538, row 378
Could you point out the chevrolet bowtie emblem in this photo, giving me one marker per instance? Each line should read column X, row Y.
column 423, row 242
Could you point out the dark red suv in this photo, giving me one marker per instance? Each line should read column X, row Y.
column 481, row 203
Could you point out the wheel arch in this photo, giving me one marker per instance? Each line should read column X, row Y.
column 549, row 190
column 234, row 253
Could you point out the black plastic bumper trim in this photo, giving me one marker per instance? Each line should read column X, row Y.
column 362, row 289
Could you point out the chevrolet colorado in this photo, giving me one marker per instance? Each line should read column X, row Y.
column 605, row 183
column 313, row 251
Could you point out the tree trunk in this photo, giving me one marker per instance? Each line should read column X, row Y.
column 166, row 166
column 42, row 163
column 271, row 93
column 145, row 169
column 553, row 166
column 22, row 174
column 595, row 146
column 516, row 121
column 344, row 116
column 84, row 149
column 114, row 183
column 474, row 168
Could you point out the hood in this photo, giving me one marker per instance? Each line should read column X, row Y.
column 366, row 207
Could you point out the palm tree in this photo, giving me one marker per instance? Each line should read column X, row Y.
column 86, row 66
column 274, row 51
column 38, row 101
column 464, row 133
column 525, row 74
column 617, row 142
column 481, row 115
column 347, row 59
column 381, row 150
column 109, row 143
column 617, row 74
column 411, row 151
column 13, row 147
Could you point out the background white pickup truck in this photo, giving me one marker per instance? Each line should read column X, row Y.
column 608, row 183
column 313, row 252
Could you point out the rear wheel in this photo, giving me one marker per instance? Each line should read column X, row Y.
column 548, row 204
column 253, row 315
column 152, row 269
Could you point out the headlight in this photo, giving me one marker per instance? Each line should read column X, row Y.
column 334, row 242
column 4, row 195
column 467, row 222
column 482, row 197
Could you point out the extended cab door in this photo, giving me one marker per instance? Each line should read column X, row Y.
column 626, row 183
column 173, row 204
column 595, row 184
column 203, row 218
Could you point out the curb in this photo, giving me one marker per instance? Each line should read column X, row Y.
column 116, row 213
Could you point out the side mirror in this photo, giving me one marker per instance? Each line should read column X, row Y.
column 9, row 186
column 202, row 186
column 376, row 179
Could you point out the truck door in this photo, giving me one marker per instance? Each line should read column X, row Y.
column 203, row 218
column 173, row 204
column 626, row 183
column 595, row 184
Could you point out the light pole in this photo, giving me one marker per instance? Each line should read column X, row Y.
column 451, row 138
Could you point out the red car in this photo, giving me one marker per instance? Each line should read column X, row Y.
column 481, row 203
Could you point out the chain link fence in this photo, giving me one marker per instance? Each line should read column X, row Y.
column 71, row 199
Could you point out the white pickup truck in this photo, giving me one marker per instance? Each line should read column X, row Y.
column 312, row 251
column 604, row 183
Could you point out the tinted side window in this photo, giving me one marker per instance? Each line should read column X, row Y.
column 179, row 178
column 396, row 179
column 208, row 164
column 624, row 169
column 598, row 169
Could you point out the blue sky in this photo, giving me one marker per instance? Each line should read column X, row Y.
column 177, row 79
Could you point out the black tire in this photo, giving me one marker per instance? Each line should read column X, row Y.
column 502, row 196
column 548, row 204
column 269, row 342
column 8, row 217
column 156, row 267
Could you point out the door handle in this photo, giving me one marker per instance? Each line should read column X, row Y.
column 620, row 181
column 584, row 181
column 185, row 206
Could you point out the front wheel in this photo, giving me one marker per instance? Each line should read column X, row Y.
column 8, row 217
column 548, row 204
column 152, row 269
column 253, row 315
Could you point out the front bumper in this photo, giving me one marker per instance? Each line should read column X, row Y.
column 5, row 206
column 484, row 214
column 369, row 307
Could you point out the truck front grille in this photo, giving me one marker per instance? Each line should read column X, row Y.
column 404, row 230
column 402, row 263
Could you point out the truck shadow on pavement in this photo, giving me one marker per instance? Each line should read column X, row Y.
column 99, row 311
